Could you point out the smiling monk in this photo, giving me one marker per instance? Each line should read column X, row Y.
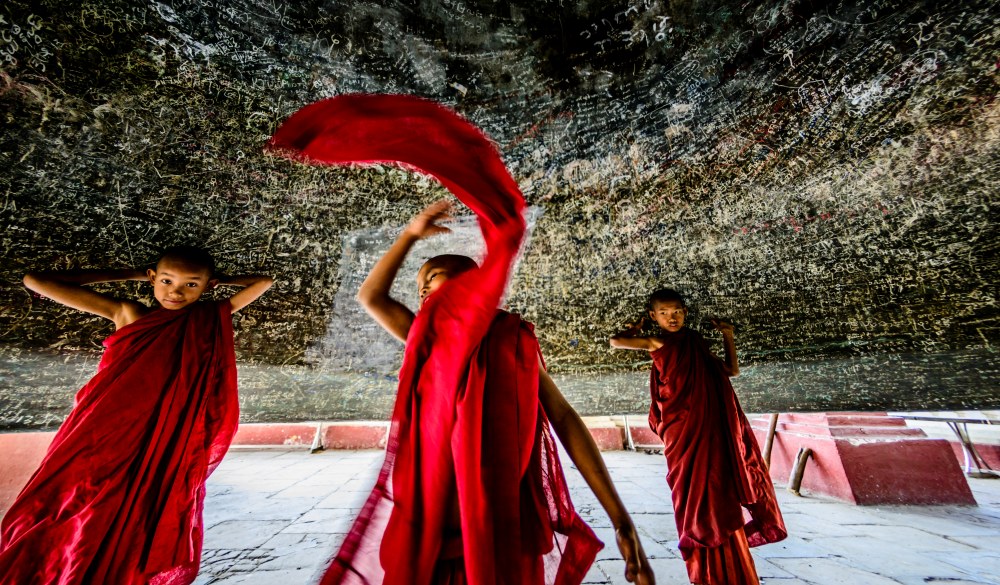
column 118, row 497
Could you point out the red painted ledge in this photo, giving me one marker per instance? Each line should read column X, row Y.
column 867, row 458
column 22, row 452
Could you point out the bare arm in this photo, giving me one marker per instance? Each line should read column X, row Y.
column 392, row 315
column 67, row 287
column 583, row 451
column 731, row 364
column 373, row 295
column 630, row 338
column 253, row 287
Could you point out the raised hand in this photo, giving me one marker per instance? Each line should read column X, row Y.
column 725, row 327
column 426, row 223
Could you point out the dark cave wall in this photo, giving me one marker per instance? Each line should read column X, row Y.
column 824, row 174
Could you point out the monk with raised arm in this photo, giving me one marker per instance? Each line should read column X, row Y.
column 471, row 489
column 118, row 497
column 497, row 509
column 714, row 466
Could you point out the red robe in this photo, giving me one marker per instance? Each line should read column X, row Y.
column 714, row 466
column 118, row 498
column 467, row 419
column 490, row 443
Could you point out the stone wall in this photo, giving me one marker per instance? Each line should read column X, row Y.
column 822, row 173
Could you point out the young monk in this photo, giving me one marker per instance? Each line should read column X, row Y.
column 498, row 505
column 714, row 464
column 470, row 421
column 118, row 498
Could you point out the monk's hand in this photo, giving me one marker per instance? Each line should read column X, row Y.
column 426, row 223
column 725, row 327
column 636, row 566
column 636, row 326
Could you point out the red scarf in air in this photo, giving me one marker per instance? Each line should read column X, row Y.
column 467, row 418
column 118, row 498
column 714, row 465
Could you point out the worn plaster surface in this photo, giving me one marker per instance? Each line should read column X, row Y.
column 824, row 174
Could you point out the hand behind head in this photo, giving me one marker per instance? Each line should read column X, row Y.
column 722, row 325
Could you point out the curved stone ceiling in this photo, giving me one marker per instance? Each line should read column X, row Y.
column 824, row 174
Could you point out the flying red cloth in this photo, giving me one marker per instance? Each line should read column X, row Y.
column 467, row 418
column 714, row 464
column 118, row 498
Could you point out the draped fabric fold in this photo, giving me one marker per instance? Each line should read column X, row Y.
column 118, row 497
column 467, row 418
column 715, row 469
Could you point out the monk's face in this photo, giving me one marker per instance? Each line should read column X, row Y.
column 669, row 315
column 177, row 284
column 431, row 276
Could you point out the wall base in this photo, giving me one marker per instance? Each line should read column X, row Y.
column 23, row 452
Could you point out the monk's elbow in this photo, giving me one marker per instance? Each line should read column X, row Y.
column 371, row 301
column 734, row 372
column 625, row 342
column 364, row 298
column 31, row 281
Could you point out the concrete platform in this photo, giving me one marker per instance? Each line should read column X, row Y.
column 866, row 458
column 275, row 516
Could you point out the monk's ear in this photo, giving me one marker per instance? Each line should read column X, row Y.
column 151, row 275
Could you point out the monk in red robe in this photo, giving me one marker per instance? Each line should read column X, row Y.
column 118, row 497
column 715, row 469
column 471, row 490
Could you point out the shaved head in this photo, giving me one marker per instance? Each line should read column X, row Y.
column 455, row 263
column 439, row 269
column 190, row 256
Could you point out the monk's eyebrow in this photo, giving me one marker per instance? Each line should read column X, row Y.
column 426, row 275
column 189, row 277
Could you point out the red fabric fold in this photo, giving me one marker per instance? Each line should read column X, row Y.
column 714, row 466
column 118, row 497
column 467, row 419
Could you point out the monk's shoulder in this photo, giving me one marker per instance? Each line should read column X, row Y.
column 524, row 324
column 131, row 311
column 512, row 323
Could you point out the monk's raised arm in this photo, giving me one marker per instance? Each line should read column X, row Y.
column 630, row 338
column 374, row 296
column 253, row 286
column 580, row 446
column 731, row 365
column 68, row 287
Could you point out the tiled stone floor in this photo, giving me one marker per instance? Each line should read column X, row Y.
column 275, row 517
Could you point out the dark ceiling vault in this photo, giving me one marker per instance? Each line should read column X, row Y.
column 822, row 173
